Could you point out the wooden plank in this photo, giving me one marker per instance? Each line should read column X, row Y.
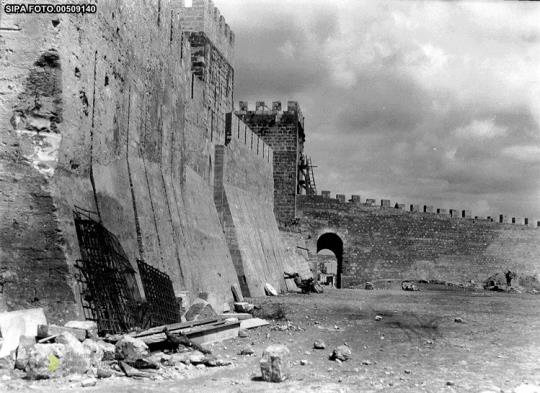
column 238, row 315
column 54, row 330
column 253, row 323
column 216, row 331
column 174, row 327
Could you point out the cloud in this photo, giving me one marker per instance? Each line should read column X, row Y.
column 480, row 129
column 417, row 101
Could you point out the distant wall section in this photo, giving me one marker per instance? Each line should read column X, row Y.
column 384, row 242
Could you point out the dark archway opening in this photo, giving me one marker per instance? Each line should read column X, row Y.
column 331, row 241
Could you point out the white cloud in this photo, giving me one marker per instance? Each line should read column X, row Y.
column 480, row 129
column 529, row 154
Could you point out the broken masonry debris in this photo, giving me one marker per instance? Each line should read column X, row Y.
column 275, row 363
column 270, row 290
column 319, row 344
column 341, row 353
column 243, row 307
column 408, row 286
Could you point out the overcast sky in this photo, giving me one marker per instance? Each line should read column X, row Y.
column 418, row 102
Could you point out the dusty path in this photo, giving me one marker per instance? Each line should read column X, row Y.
column 416, row 347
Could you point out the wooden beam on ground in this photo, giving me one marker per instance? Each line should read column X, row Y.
column 54, row 330
column 238, row 315
column 253, row 323
column 174, row 327
column 201, row 334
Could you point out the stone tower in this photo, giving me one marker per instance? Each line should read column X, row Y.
column 283, row 131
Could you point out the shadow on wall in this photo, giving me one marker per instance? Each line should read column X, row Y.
column 331, row 241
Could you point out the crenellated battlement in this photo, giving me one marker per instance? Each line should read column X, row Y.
column 203, row 16
column 423, row 209
column 236, row 130
column 274, row 113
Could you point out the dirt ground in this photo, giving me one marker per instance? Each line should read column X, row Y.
column 416, row 347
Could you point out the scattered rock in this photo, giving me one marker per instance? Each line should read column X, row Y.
column 243, row 333
column 216, row 361
column 103, row 373
column 342, row 353
column 274, row 363
column 243, row 307
column 319, row 344
column 44, row 361
column 26, row 343
column 88, row 382
column 406, row 371
column 247, row 351
column 303, row 362
column 144, row 364
column 200, row 309
column 133, row 372
column 77, row 356
column 196, row 357
column 90, row 327
column 458, row 320
column 109, row 350
column 270, row 290
column 366, row 362
column 95, row 351
column 408, row 286
column 378, row 318
column 131, row 348
column 369, row 286
column 450, row 383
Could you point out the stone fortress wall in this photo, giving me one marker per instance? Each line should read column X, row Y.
column 123, row 113
column 418, row 243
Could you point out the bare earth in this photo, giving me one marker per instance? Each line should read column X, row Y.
column 416, row 347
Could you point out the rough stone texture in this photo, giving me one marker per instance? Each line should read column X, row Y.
column 200, row 309
column 342, row 353
column 284, row 133
column 243, row 195
column 90, row 327
column 275, row 363
column 131, row 349
column 46, row 361
column 396, row 244
column 121, row 129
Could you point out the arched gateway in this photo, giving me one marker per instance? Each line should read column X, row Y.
column 331, row 241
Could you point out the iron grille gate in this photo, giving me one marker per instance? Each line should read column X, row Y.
column 108, row 285
column 162, row 304
column 106, row 278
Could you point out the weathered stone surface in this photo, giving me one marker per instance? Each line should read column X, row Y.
column 196, row 357
column 90, row 327
column 54, row 330
column 108, row 349
column 200, row 309
column 275, row 363
column 270, row 290
column 131, row 349
column 95, row 352
column 319, row 344
column 26, row 343
column 243, row 307
column 237, row 293
column 88, row 382
column 77, row 357
column 342, row 353
column 15, row 324
column 46, row 361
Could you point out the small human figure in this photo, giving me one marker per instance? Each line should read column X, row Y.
column 509, row 277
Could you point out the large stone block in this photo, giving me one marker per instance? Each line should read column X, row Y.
column 275, row 363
